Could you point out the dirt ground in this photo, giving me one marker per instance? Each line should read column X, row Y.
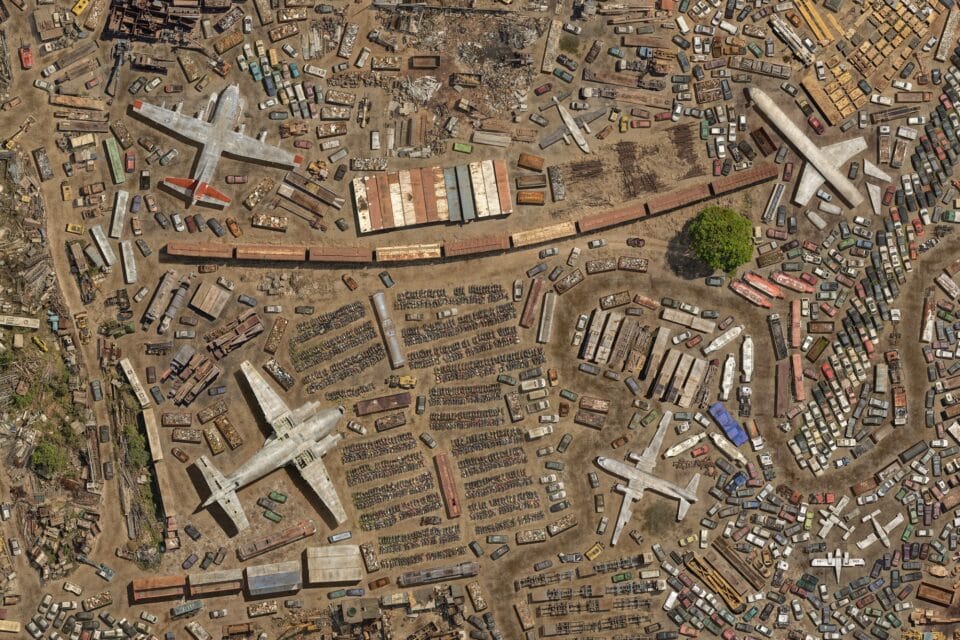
column 635, row 165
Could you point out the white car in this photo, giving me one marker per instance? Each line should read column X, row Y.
column 41, row 84
column 547, row 479
column 575, row 29
column 72, row 588
column 680, row 337
column 149, row 617
column 219, row 613
column 153, row 84
column 289, row 50
column 178, row 222
column 247, row 24
column 269, row 102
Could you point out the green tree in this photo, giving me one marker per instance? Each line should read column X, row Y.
column 49, row 459
column 721, row 238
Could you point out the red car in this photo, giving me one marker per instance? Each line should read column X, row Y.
column 788, row 172
column 694, row 341
column 917, row 226
column 542, row 89
column 26, row 57
column 635, row 242
column 180, row 455
column 888, row 195
column 816, row 125
column 130, row 161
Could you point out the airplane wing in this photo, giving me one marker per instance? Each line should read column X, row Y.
column 685, row 504
column 275, row 410
column 251, row 149
column 630, row 495
column 314, row 472
column 226, row 499
column 810, row 178
column 179, row 123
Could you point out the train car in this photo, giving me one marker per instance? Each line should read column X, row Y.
column 117, row 174
column 100, row 239
column 546, row 317
column 129, row 262
column 119, row 212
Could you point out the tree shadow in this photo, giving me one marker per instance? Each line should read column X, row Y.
column 681, row 259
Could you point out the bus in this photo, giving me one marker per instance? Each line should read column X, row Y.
column 9, row 626
column 185, row 609
column 113, row 157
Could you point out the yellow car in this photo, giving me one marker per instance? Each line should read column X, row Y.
column 688, row 540
column 75, row 228
column 594, row 551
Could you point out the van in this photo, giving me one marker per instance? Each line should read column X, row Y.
column 339, row 537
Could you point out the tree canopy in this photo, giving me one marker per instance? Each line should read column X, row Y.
column 721, row 238
column 49, row 459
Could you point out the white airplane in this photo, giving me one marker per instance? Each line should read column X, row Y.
column 216, row 137
column 838, row 560
column 880, row 532
column 833, row 518
column 639, row 477
column 821, row 164
column 300, row 437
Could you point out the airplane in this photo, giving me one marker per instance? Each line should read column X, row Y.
column 879, row 531
column 640, row 477
column 821, row 164
column 838, row 560
column 833, row 518
column 216, row 137
column 300, row 437
column 572, row 126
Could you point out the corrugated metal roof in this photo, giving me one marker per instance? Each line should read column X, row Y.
column 278, row 577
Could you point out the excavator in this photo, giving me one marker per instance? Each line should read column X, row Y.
column 11, row 142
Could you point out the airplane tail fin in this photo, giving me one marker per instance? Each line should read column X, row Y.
column 221, row 493
column 202, row 192
column 684, row 504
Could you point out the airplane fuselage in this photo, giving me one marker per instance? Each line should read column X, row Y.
column 279, row 452
column 224, row 118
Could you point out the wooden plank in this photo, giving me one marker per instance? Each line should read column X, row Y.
column 373, row 201
column 386, row 206
column 503, row 186
column 427, row 186
column 440, row 195
column 416, row 189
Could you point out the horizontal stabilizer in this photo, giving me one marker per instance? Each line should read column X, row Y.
column 202, row 192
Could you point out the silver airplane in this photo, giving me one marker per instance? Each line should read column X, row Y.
column 300, row 437
column 639, row 477
column 838, row 560
column 216, row 137
column 822, row 163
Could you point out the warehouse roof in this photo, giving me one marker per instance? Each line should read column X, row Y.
column 334, row 564
column 278, row 577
